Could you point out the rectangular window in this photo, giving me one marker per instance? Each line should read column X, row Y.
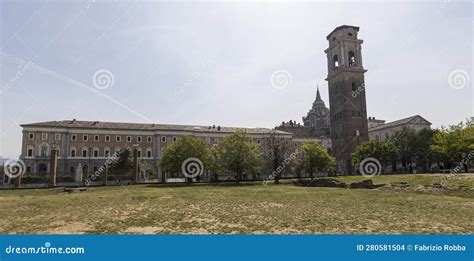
column 118, row 138
column 148, row 154
column 96, row 153
column 148, row 139
column 96, row 137
column 57, row 136
column 106, row 152
column 73, row 137
column 73, row 153
column 31, row 136
column 129, row 138
column 258, row 141
column 107, row 138
column 84, row 153
column 175, row 139
column 163, row 138
column 30, row 153
column 85, row 137
column 139, row 153
column 44, row 136
column 139, row 138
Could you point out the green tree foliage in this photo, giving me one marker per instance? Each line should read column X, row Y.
column 453, row 144
column 316, row 158
column 184, row 148
column 239, row 154
column 385, row 153
column 123, row 165
column 277, row 152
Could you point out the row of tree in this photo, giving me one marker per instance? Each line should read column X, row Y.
column 444, row 148
column 237, row 155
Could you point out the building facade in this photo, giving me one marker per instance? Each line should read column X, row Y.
column 89, row 144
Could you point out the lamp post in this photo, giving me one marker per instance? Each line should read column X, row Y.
column 53, row 165
column 135, row 164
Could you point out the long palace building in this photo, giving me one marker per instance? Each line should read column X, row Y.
column 90, row 143
column 340, row 128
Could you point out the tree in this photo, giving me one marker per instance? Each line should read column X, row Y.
column 214, row 164
column 316, row 158
column 239, row 154
column 384, row 152
column 454, row 144
column 276, row 154
column 405, row 141
column 188, row 155
column 123, row 165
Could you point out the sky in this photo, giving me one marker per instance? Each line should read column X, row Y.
column 242, row 64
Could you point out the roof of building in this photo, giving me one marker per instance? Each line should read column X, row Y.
column 399, row 122
column 75, row 124
column 342, row 27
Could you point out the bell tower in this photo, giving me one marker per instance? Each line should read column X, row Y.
column 348, row 112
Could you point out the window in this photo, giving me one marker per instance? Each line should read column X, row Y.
column 129, row 138
column 106, row 152
column 30, row 152
column 139, row 138
column 31, row 136
column 163, row 138
column 44, row 150
column 44, row 136
column 71, row 169
column 352, row 61
column 118, row 138
column 57, row 136
column 107, row 138
column 354, row 89
column 139, row 153
column 96, row 137
column 175, row 139
column 73, row 137
column 73, row 153
column 148, row 153
column 96, row 153
column 148, row 139
column 259, row 141
column 84, row 152
column 85, row 137
column 350, row 34
column 335, row 60
column 28, row 169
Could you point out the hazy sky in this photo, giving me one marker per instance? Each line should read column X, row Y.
column 212, row 62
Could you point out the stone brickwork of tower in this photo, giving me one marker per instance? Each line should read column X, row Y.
column 347, row 102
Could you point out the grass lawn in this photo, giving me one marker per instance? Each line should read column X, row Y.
column 246, row 208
